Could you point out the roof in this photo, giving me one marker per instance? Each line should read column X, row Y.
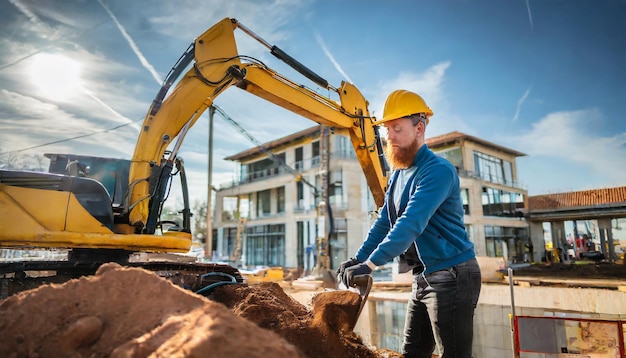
column 582, row 198
column 275, row 143
column 458, row 137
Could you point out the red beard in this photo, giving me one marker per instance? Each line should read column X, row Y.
column 401, row 158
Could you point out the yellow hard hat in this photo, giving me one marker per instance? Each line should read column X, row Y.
column 402, row 103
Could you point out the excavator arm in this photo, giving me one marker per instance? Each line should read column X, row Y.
column 116, row 204
column 215, row 67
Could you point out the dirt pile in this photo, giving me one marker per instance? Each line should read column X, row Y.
column 129, row 312
column 124, row 312
column 604, row 271
column 320, row 333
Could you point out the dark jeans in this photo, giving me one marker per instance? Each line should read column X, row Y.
column 441, row 311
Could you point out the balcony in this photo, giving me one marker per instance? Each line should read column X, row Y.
column 299, row 166
column 263, row 174
column 489, row 178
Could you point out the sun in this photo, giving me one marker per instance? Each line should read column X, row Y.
column 56, row 76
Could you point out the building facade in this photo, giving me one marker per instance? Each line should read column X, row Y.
column 271, row 214
column 277, row 194
column 494, row 201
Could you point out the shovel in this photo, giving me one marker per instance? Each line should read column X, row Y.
column 361, row 284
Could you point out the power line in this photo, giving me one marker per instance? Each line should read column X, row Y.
column 70, row 139
column 264, row 149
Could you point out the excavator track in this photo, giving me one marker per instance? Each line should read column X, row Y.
column 197, row 277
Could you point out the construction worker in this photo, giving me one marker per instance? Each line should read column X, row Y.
column 421, row 223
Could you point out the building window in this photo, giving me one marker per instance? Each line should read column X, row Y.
column 470, row 232
column 280, row 200
column 229, row 208
column 502, row 203
column 244, row 175
column 335, row 189
column 345, row 149
column 315, row 153
column 465, row 199
column 391, row 318
column 299, row 196
column 509, row 242
column 300, row 259
column 494, row 241
column 299, row 164
column 265, row 245
column 453, row 155
column 244, row 206
column 263, row 168
column 263, row 203
column 231, row 241
column 493, row 169
column 338, row 242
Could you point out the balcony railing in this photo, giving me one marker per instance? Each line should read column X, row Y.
column 298, row 166
column 490, row 178
column 264, row 173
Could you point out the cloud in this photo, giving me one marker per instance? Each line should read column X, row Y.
column 35, row 122
column 519, row 104
column 32, row 17
column 266, row 19
column 428, row 84
column 566, row 138
column 116, row 114
column 116, row 85
column 530, row 15
column 264, row 120
column 32, row 123
column 54, row 24
column 320, row 41
column 142, row 59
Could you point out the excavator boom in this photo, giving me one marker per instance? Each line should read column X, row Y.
column 218, row 66
column 86, row 213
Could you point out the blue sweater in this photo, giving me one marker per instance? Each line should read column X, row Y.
column 432, row 218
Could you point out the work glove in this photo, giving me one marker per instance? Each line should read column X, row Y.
column 344, row 265
column 352, row 271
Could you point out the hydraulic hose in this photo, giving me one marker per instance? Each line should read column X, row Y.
column 216, row 284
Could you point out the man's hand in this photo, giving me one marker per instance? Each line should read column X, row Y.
column 344, row 265
column 352, row 271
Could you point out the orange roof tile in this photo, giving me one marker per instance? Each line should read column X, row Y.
column 577, row 198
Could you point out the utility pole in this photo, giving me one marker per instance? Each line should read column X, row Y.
column 208, row 248
column 324, row 225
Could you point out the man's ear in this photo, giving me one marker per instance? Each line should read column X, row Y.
column 421, row 127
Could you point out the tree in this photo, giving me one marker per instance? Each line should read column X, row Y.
column 13, row 160
column 199, row 226
column 198, row 218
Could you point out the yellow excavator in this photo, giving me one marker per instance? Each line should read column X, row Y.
column 104, row 210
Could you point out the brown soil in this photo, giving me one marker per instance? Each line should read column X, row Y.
column 574, row 270
column 130, row 312
column 320, row 333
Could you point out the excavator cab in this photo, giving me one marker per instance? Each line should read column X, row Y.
column 113, row 175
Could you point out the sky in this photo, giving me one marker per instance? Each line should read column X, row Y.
column 543, row 77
